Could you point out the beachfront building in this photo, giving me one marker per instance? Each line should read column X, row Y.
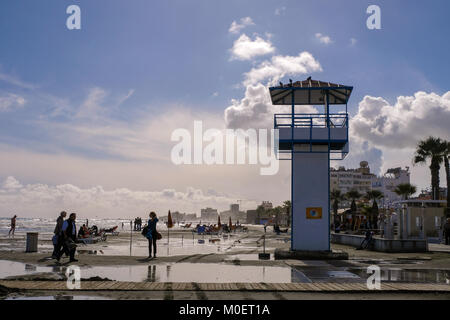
column 362, row 180
column 359, row 179
column 234, row 213
column 388, row 182
column 209, row 214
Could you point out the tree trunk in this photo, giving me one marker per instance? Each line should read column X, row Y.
column 434, row 167
column 447, row 174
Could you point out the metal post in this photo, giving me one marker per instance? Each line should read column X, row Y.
column 402, row 222
column 131, row 235
column 422, row 222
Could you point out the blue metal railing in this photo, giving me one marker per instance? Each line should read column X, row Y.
column 310, row 120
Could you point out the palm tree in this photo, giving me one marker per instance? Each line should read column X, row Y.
column 447, row 174
column 353, row 194
column 374, row 195
column 405, row 190
column 287, row 207
column 336, row 196
column 434, row 149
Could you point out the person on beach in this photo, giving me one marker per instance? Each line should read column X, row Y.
column 13, row 226
column 447, row 232
column 69, row 231
column 151, row 234
column 57, row 238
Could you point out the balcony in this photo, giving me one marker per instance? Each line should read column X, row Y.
column 313, row 133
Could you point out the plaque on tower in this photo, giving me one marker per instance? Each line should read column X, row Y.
column 314, row 213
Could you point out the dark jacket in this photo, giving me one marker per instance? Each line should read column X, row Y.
column 58, row 227
column 152, row 227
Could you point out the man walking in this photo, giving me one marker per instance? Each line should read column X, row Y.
column 69, row 231
column 58, row 238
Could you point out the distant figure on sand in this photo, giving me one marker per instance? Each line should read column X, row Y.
column 151, row 234
column 58, row 238
column 13, row 226
column 69, row 230
column 447, row 232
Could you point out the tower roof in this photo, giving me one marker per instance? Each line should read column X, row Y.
column 310, row 92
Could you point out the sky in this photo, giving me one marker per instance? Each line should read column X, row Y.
column 86, row 116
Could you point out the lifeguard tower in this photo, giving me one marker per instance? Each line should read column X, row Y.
column 310, row 141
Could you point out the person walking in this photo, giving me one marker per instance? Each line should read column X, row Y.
column 13, row 226
column 152, row 235
column 69, row 231
column 447, row 232
column 58, row 238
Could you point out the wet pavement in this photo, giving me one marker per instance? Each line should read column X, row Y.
column 290, row 271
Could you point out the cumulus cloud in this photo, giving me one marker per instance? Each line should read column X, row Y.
column 10, row 101
column 403, row 124
column 244, row 48
column 255, row 109
column 237, row 27
column 323, row 38
column 361, row 150
column 280, row 66
column 42, row 200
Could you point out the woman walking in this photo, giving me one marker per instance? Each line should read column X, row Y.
column 151, row 235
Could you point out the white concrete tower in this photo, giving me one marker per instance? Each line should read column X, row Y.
column 310, row 141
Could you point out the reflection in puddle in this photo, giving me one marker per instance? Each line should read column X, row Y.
column 405, row 275
column 191, row 272
column 11, row 268
column 247, row 257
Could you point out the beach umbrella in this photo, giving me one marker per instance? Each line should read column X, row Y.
column 218, row 222
column 230, row 224
column 169, row 225
column 169, row 221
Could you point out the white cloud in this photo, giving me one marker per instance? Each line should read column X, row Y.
column 42, row 200
column 245, row 48
column 11, row 183
column 237, row 27
column 10, row 101
column 92, row 106
column 323, row 38
column 255, row 110
column 281, row 66
column 353, row 41
column 403, row 124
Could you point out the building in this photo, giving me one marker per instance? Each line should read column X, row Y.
column 362, row 180
column 388, row 182
column 352, row 179
column 209, row 214
column 234, row 213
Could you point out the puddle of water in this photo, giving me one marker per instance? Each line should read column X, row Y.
column 191, row 272
column 247, row 257
column 11, row 268
column 376, row 262
column 405, row 275
column 322, row 274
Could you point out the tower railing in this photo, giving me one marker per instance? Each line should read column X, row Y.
column 310, row 120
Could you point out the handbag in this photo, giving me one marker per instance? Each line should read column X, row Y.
column 158, row 236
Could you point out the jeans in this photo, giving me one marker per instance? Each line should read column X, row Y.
column 57, row 246
column 152, row 241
